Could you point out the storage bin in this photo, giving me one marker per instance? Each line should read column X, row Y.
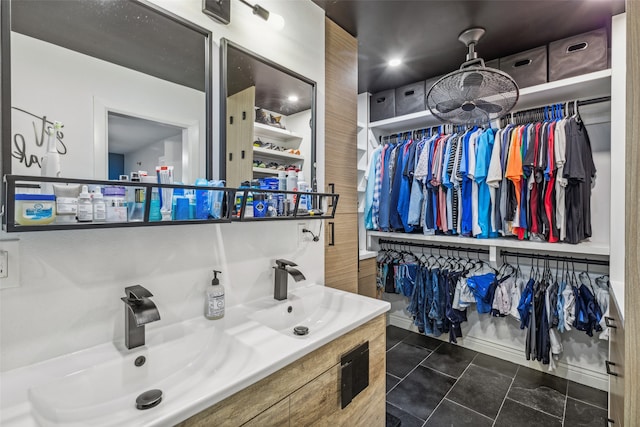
column 429, row 82
column 382, row 105
column 581, row 54
column 410, row 98
column 528, row 68
column 494, row 63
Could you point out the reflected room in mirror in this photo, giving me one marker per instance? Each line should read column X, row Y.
column 270, row 118
column 118, row 74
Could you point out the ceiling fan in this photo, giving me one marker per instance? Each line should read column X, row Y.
column 474, row 94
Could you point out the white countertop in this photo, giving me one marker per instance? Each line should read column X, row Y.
column 197, row 364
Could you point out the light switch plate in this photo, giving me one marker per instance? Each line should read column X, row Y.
column 10, row 277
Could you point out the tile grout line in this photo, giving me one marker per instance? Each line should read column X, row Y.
column 467, row 408
column 448, row 391
column 505, row 396
column 586, row 403
column 403, row 378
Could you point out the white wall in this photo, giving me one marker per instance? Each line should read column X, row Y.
column 72, row 281
column 299, row 123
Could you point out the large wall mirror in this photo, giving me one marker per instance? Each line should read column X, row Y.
column 268, row 118
column 130, row 82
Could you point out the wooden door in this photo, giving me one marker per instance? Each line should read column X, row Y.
column 341, row 238
column 632, row 228
column 616, row 356
column 240, row 118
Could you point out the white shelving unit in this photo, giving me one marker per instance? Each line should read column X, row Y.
column 276, row 155
column 265, row 171
column 587, row 86
column 283, row 138
column 261, row 129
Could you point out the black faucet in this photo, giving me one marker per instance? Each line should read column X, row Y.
column 283, row 269
column 139, row 310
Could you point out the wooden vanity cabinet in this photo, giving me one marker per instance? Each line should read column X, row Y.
column 307, row 392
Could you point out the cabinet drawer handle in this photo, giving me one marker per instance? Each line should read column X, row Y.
column 608, row 321
column 332, row 234
column 610, row 421
column 609, row 364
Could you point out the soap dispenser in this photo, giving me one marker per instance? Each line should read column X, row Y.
column 214, row 303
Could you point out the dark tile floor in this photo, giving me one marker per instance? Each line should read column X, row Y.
column 434, row 383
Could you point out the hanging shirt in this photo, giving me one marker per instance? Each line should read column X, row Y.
column 483, row 160
column 385, row 189
column 372, row 176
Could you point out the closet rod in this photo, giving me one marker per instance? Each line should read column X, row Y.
column 554, row 258
column 432, row 246
column 580, row 104
column 594, row 101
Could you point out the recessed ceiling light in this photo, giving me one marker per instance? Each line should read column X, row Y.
column 292, row 98
column 395, row 62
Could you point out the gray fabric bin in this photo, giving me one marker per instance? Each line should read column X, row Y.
column 581, row 54
column 528, row 68
column 410, row 98
column 427, row 85
column 382, row 105
column 494, row 63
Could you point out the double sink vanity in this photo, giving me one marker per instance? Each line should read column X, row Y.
column 248, row 367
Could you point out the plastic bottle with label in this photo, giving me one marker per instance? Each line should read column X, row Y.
column 99, row 207
column 292, row 185
column 214, row 302
column 85, row 207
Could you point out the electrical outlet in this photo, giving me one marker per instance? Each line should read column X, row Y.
column 9, row 264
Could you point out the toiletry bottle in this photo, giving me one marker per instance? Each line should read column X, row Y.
column 85, row 207
column 303, row 187
column 154, row 208
column 99, row 207
column 51, row 159
column 282, row 185
column 214, row 303
column 292, row 185
column 202, row 200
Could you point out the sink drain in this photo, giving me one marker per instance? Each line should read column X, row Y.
column 300, row 330
column 149, row 399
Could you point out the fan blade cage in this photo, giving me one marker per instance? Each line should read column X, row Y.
column 472, row 96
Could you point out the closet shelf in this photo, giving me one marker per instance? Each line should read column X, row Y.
column 273, row 132
column 586, row 86
column 266, row 171
column 361, row 126
column 586, row 248
column 274, row 154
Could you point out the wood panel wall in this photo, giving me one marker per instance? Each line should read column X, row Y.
column 632, row 227
column 341, row 97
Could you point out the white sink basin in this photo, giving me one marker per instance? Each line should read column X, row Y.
column 315, row 307
column 196, row 363
column 97, row 394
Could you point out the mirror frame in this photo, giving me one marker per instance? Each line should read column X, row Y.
column 5, row 85
column 224, row 44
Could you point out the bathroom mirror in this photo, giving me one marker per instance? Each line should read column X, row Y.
column 129, row 81
column 269, row 114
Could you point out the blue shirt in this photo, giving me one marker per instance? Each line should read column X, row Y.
column 483, row 158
